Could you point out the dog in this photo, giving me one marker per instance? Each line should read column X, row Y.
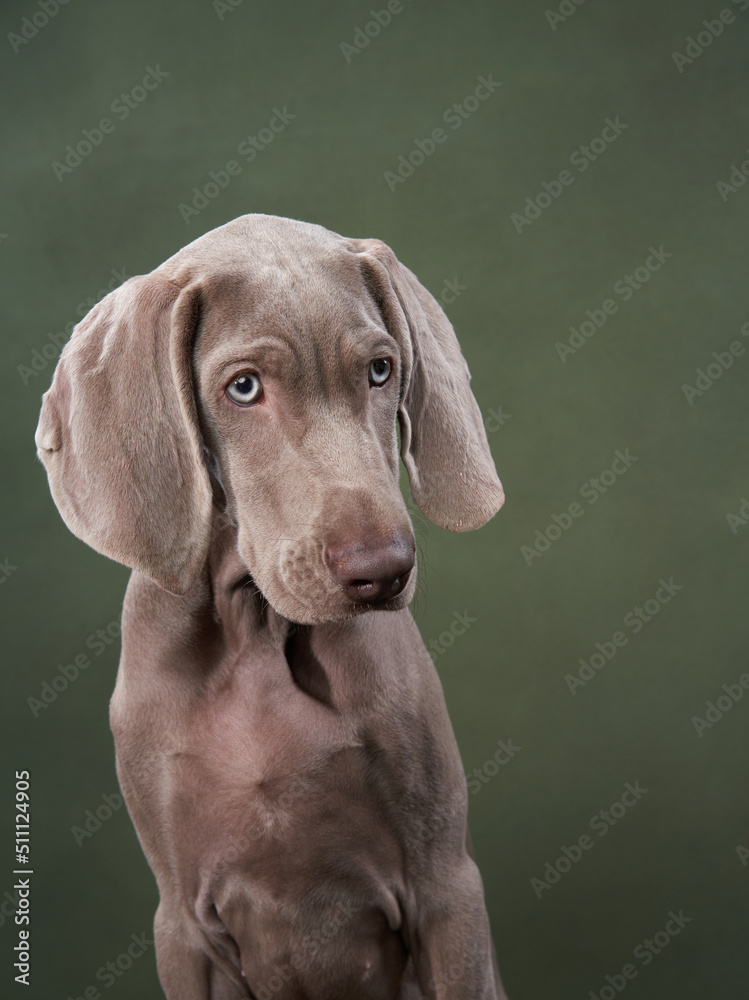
column 226, row 426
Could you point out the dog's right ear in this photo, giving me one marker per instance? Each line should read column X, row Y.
column 118, row 433
column 443, row 441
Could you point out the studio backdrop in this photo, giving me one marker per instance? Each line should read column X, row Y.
column 570, row 182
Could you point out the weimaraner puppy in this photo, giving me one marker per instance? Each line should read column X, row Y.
column 226, row 426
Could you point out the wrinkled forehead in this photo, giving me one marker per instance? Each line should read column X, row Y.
column 303, row 299
column 316, row 308
column 263, row 263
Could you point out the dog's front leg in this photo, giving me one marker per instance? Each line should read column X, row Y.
column 451, row 943
column 186, row 972
column 501, row 995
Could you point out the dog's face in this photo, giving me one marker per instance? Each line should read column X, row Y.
column 298, row 408
column 278, row 359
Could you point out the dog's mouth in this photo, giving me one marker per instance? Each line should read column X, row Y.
column 337, row 606
column 399, row 598
column 307, row 588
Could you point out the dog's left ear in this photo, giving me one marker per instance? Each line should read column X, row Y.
column 118, row 433
column 443, row 441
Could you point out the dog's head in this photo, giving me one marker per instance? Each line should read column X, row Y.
column 267, row 365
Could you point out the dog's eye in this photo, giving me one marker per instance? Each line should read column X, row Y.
column 245, row 389
column 379, row 371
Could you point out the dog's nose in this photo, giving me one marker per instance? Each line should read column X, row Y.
column 372, row 572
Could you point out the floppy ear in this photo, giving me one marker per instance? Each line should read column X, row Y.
column 443, row 442
column 119, row 437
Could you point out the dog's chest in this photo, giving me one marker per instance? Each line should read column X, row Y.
column 290, row 778
column 279, row 808
column 256, row 769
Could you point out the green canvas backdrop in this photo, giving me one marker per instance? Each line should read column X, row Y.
column 593, row 152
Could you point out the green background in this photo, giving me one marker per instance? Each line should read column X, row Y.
column 664, row 517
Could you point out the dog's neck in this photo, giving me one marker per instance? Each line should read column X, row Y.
column 238, row 602
column 248, row 622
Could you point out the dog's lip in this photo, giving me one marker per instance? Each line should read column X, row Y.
column 340, row 608
column 348, row 611
column 392, row 604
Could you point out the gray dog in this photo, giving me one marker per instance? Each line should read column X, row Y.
column 226, row 426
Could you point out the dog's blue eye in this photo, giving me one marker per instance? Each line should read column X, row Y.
column 379, row 371
column 245, row 389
